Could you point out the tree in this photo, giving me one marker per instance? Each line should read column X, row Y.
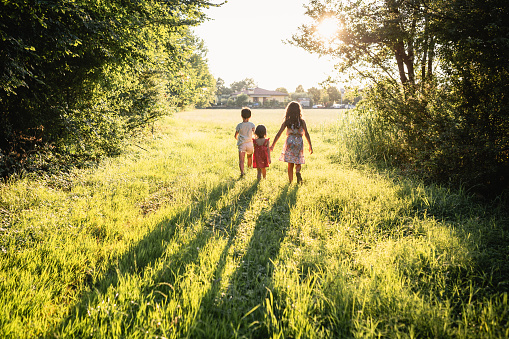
column 334, row 94
column 299, row 89
column 243, row 84
column 200, row 84
column 221, row 88
column 79, row 80
column 241, row 100
column 297, row 95
column 474, row 54
column 282, row 90
column 437, row 74
column 324, row 97
column 377, row 39
column 315, row 94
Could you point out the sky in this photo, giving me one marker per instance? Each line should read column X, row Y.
column 245, row 38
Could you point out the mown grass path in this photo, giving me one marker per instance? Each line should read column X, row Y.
column 166, row 241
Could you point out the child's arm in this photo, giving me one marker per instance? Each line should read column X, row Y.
column 308, row 138
column 236, row 134
column 268, row 153
column 277, row 136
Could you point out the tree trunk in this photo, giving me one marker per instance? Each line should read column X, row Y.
column 409, row 63
column 410, row 57
column 400, row 55
column 431, row 55
column 425, row 49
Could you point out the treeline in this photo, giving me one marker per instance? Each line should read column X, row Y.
column 325, row 96
column 79, row 76
column 439, row 82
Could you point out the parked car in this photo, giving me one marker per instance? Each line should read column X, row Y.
column 317, row 106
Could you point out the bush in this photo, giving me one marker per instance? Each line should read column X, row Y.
column 443, row 141
column 76, row 83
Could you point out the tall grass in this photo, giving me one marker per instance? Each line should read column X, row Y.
column 166, row 241
column 362, row 137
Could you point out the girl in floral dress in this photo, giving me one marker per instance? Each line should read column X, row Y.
column 293, row 150
column 261, row 156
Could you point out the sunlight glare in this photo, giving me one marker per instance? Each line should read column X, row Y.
column 328, row 28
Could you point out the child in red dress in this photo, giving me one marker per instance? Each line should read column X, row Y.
column 261, row 156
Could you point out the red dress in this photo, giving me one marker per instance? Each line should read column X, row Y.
column 261, row 154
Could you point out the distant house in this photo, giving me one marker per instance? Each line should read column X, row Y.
column 261, row 96
column 304, row 102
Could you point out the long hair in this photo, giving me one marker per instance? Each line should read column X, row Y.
column 293, row 115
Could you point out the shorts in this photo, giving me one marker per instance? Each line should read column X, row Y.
column 246, row 147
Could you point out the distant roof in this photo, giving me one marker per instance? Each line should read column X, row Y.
column 259, row 92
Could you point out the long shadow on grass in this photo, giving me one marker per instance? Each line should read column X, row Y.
column 151, row 248
column 473, row 228
column 248, row 285
column 224, row 221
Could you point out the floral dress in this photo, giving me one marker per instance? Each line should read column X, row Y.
column 261, row 155
column 293, row 150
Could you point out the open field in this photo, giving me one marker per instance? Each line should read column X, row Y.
column 313, row 117
column 166, row 242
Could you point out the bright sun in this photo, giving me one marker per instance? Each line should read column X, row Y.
column 328, row 28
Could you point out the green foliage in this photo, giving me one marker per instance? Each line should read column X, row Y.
column 455, row 129
column 241, row 100
column 363, row 137
column 221, row 88
column 475, row 61
column 437, row 73
column 375, row 39
column 274, row 104
column 192, row 85
column 334, row 94
column 315, row 94
column 352, row 96
column 243, row 84
column 80, row 76
column 296, row 95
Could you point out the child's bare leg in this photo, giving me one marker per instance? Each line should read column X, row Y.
column 297, row 173
column 242, row 156
column 290, row 172
column 249, row 160
column 264, row 172
column 259, row 174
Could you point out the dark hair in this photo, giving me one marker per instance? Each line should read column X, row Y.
column 293, row 115
column 260, row 131
column 245, row 113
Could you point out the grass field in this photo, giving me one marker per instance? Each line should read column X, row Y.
column 167, row 242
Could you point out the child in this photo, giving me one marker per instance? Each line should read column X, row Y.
column 244, row 134
column 293, row 150
column 261, row 158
